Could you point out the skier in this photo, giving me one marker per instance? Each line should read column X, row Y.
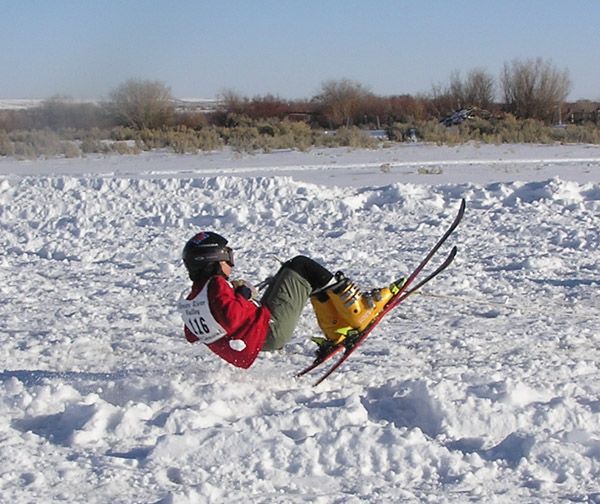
column 227, row 316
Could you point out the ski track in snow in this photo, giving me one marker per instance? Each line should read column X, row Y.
column 483, row 389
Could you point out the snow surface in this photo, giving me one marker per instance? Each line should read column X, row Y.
column 484, row 389
column 19, row 104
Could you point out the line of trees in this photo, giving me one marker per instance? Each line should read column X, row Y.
column 529, row 89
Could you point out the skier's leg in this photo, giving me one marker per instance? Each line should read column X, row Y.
column 317, row 275
column 287, row 295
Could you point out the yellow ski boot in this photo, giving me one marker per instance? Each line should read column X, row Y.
column 342, row 308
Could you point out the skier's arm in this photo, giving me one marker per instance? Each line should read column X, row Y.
column 245, row 322
column 231, row 309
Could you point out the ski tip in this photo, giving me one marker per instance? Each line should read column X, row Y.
column 321, row 380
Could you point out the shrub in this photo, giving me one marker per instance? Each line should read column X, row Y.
column 209, row 139
column 32, row 144
column 71, row 150
column 123, row 134
column 6, row 146
column 125, row 148
column 193, row 120
column 404, row 132
column 234, row 119
column 433, row 131
column 14, row 120
column 293, row 135
column 267, row 135
column 583, row 134
column 150, row 139
column 90, row 145
column 23, row 150
column 244, row 139
column 142, row 104
column 479, row 129
column 182, row 141
column 347, row 137
column 267, row 107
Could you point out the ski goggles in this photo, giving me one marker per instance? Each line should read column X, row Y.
column 214, row 253
column 228, row 252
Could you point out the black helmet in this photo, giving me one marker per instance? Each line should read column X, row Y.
column 203, row 252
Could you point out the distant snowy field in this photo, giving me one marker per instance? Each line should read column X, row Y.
column 484, row 389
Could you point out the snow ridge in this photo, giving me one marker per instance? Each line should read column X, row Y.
column 483, row 389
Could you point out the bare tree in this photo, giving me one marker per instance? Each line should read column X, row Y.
column 341, row 101
column 232, row 102
column 442, row 101
column 476, row 90
column 142, row 104
column 534, row 88
column 479, row 89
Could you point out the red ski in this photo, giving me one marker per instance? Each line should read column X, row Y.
column 354, row 340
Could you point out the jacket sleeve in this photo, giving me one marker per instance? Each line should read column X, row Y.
column 243, row 320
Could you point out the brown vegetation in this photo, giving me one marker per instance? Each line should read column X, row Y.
column 141, row 115
column 534, row 89
column 142, row 104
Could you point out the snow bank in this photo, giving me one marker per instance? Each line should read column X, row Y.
column 483, row 389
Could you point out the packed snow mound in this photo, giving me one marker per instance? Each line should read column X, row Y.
column 485, row 386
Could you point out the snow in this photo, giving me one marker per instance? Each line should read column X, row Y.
column 406, row 163
column 484, row 389
column 19, row 104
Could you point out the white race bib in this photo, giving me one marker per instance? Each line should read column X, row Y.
column 198, row 318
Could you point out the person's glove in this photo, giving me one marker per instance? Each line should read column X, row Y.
column 245, row 289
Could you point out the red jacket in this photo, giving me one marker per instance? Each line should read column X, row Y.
column 242, row 320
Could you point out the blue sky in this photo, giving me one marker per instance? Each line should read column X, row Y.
column 85, row 48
